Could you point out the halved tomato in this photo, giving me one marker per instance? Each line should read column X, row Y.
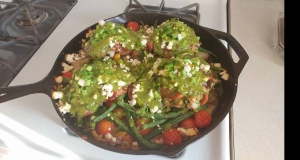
column 141, row 121
column 105, row 126
column 188, row 123
column 125, row 138
column 172, row 137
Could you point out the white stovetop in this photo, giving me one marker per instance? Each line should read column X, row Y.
column 30, row 126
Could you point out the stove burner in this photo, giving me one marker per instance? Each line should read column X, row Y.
column 34, row 17
column 24, row 26
column 184, row 12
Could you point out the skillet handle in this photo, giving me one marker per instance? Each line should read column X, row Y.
column 13, row 92
column 236, row 47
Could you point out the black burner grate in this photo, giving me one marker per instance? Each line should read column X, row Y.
column 184, row 12
column 24, row 26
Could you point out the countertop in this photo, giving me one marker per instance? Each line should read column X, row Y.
column 258, row 109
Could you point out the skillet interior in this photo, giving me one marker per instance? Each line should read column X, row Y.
column 209, row 42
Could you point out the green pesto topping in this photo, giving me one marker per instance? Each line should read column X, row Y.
column 175, row 36
column 88, row 85
column 106, row 36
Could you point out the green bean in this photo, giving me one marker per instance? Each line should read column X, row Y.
column 111, row 108
column 105, row 114
column 138, row 135
column 132, row 109
column 175, row 113
column 119, row 123
column 170, row 123
column 127, row 106
column 153, row 124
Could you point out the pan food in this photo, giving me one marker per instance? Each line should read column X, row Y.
column 140, row 86
column 141, row 83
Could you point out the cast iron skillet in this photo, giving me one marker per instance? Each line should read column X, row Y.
column 210, row 41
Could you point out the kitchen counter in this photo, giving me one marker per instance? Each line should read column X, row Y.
column 258, row 109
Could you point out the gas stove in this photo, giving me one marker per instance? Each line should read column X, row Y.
column 25, row 25
column 26, row 58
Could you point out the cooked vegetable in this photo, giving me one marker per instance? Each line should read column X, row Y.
column 172, row 137
column 140, row 87
column 202, row 119
column 133, row 25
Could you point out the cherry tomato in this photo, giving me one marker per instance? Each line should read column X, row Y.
column 172, row 137
column 177, row 96
column 202, row 119
column 133, row 25
column 104, row 126
column 126, row 139
column 139, row 122
column 67, row 75
column 188, row 123
column 204, row 99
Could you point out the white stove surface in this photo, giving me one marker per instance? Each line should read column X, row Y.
column 30, row 126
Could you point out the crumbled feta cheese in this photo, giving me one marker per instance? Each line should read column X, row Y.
column 150, row 94
column 179, row 36
column 107, row 90
column 189, row 74
column 101, row 22
column 136, row 62
column 81, row 82
column 70, row 57
column 111, row 54
column 57, row 95
column 154, row 109
column 136, row 88
column 106, row 58
column 144, row 42
column 66, row 67
column 224, row 75
column 149, row 55
column 111, row 43
column 132, row 102
column 163, row 44
column 65, row 108
column 206, row 67
column 187, row 68
column 121, row 83
column 170, row 45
